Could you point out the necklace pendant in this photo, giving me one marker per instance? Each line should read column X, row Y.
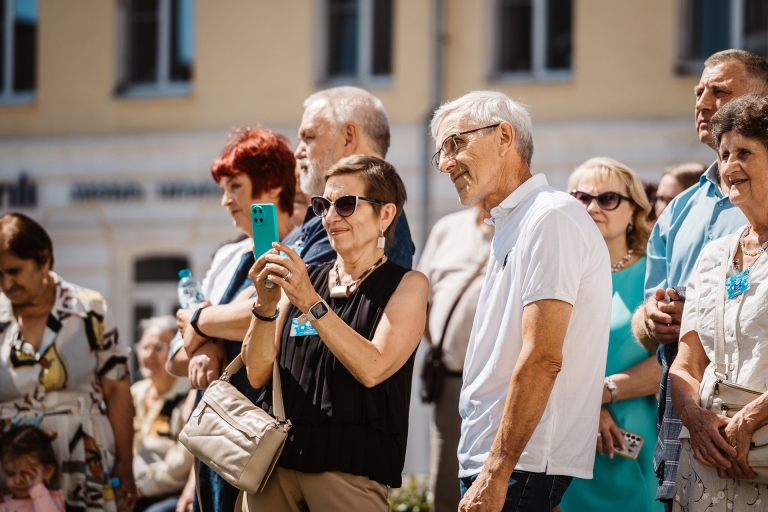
column 737, row 284
column 340, row 292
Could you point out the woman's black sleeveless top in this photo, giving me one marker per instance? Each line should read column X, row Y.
column 339, row 424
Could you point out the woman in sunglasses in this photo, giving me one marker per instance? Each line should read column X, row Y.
column 344, row 334
column 614, row 197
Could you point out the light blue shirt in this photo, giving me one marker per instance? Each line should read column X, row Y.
column 692, row 220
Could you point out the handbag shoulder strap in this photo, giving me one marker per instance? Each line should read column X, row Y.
column 277, row 389
column 478, row 270
column 720, row 310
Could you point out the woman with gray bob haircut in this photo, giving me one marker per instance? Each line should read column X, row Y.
column 723, row 331
column 485, row 108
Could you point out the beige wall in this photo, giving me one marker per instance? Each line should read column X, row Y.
column 623, row 62
column 253, row 64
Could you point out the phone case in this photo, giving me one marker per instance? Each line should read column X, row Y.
column 264, row 225
column 633, row 441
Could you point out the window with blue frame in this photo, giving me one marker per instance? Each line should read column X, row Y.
column 709, row 26
column 18, row 50
column 359, row 40
column 157, row 49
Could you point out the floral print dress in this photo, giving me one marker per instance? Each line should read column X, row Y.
column 59, row 388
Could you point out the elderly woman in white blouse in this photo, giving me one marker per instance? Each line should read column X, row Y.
column 714, row 472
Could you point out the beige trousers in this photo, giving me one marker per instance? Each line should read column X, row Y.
column 293, row 491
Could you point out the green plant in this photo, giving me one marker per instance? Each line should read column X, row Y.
column 413, row 496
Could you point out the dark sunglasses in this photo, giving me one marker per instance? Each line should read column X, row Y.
column 345, row 205
column 607, row 201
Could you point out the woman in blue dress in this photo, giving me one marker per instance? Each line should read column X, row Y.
column 614, row 197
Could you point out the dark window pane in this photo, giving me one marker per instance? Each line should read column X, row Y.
column 382, row 37
column 182, row 30
column 142, row 45
column 2, row 44
column 710, row 28
column 515, row 21
column 164, row 269
column 24, row 45
column 343, row 22
column 756, row 27
column 559, row 21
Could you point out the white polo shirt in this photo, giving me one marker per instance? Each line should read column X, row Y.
column 545, row 246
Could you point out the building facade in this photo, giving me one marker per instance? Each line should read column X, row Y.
column 111, row 111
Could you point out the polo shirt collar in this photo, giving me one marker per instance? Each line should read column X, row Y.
column 517, row 195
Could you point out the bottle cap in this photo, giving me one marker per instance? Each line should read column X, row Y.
column 184, row 273
column 115, row 481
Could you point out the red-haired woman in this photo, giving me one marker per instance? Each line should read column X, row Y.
column 256, row 166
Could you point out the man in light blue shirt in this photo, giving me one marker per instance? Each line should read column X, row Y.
column 694, row 218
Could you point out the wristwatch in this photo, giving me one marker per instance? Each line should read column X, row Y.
column 316, row 312
column 611, row 387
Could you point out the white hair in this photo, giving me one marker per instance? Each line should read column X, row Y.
column 489, row 107
column 166, row 323
column 351, row 104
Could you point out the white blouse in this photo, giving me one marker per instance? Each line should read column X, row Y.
column 745, row 319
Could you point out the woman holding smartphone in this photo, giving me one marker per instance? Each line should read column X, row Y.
column 614, row 197
column 344, row 335
column 256, row 166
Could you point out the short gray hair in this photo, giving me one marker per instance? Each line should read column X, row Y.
column 166, row 323
column 488, row 107
column 755, row 68
column 351, row 104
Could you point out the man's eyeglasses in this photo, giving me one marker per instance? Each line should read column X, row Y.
column 345, row 205
column 607, row 201
column 450, row 145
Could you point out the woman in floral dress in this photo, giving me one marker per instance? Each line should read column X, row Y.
column 63, row 369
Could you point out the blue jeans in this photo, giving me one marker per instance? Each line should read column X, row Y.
column 529, row 492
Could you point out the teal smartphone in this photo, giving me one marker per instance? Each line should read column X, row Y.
column 264, row 225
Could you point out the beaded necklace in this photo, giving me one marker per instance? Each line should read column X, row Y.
column 343, row 292
column 744, row 250
column 623, row 261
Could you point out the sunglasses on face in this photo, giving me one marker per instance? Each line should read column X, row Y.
column 345, row 205
column 607, row 201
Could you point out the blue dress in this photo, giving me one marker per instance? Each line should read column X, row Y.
column 623, row 484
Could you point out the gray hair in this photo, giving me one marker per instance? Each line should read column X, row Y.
column 488, row 107
column 351, row 104
column 755, row 68
column 166, row 323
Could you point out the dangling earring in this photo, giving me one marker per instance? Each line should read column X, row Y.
column 630, row 228
column 381, row 241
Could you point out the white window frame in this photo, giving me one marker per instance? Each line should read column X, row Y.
column 539, row 72
column 688, row 65
column 164, row 86
column 364, row 75
column 7, row 94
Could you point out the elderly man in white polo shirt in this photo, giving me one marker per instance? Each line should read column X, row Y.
column 533, row 376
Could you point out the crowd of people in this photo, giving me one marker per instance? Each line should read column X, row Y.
column 573, row 376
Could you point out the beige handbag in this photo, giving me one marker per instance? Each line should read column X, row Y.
column 728, row 398
column 234, row 437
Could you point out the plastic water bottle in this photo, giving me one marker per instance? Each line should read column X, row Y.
column 190, row 291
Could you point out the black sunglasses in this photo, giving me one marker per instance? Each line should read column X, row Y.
column 345, row 205
column 607, row 201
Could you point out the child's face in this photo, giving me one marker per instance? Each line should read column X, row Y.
column 24, row 473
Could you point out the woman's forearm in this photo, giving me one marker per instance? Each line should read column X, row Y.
column 396, row 337
column 639, row 380
column 117, row 396
column 260, row 345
